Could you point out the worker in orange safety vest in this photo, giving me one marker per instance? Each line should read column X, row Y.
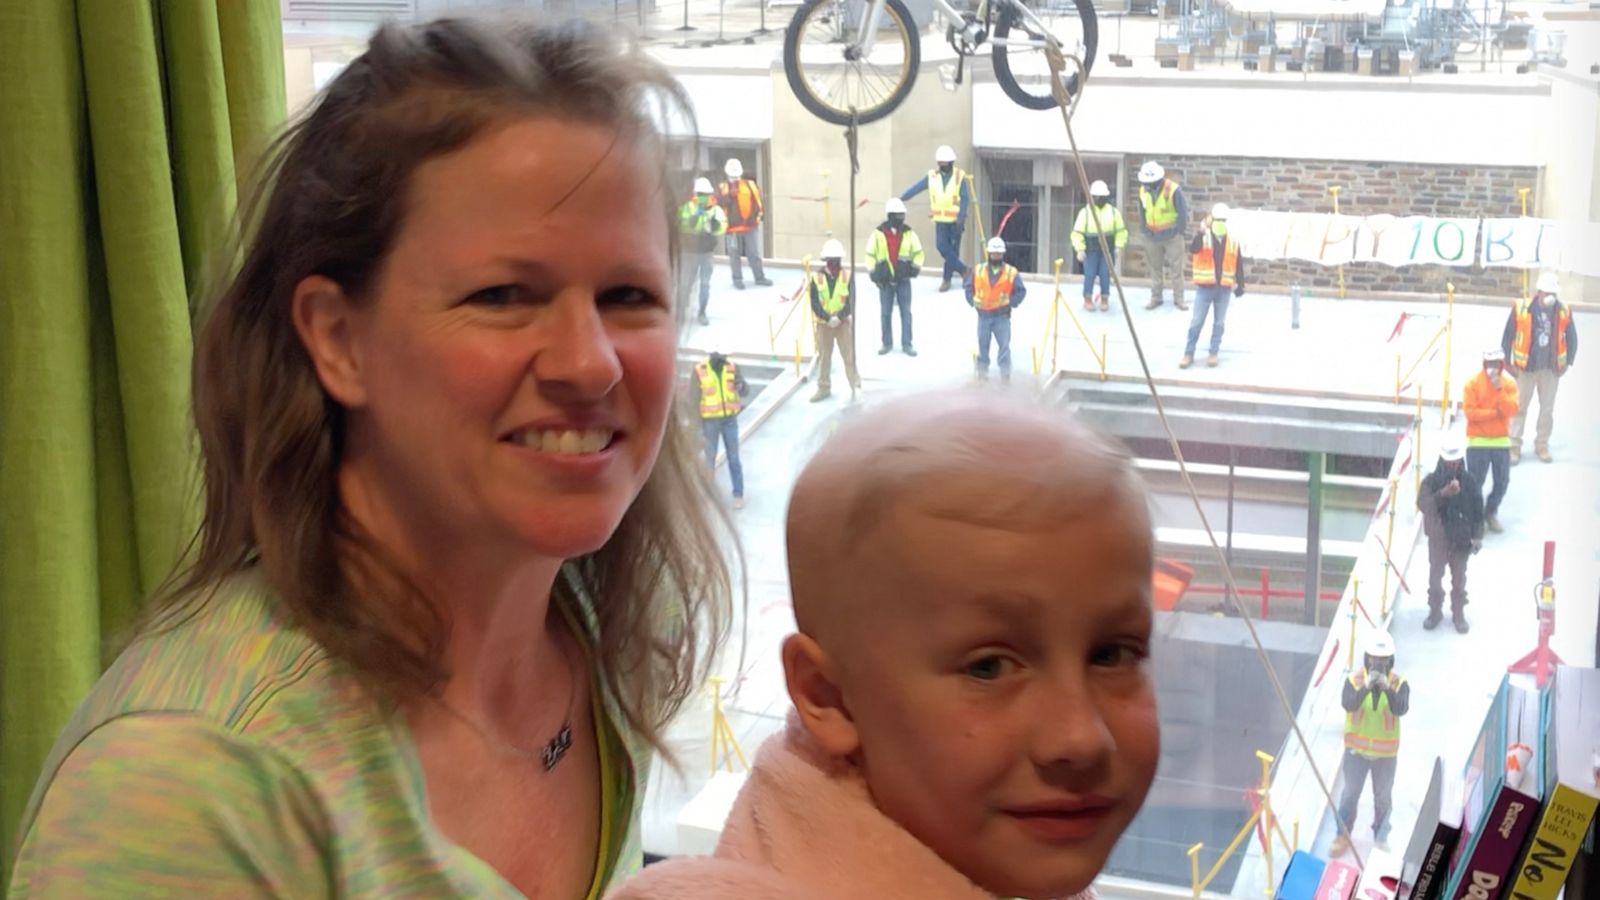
column 1489, row 401
column 994, row 289
column 1541, row 342
column 740, row 198
column 1218, row 272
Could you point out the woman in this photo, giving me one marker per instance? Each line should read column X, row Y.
column 455, row 566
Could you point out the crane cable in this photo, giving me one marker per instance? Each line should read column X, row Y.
column 1067, row 104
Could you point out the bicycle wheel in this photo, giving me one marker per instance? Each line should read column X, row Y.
column 1019, row 59
column 829, row 78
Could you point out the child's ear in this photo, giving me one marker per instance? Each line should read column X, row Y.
column 815, row 692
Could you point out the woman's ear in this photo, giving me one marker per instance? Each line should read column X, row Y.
column 324, row 318
column 817, row 697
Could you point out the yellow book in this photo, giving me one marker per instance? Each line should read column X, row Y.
column 1574, row 793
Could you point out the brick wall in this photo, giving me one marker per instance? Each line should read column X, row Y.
column 1366, row 188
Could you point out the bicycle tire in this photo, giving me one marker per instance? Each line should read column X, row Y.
column 1002, row 65
column 820, row 107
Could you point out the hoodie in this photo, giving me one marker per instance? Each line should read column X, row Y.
column 1456, row 520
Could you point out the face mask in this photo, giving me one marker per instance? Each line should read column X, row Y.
column 944, row 168
column 1220, row 229
column 1101, row 201
column 703, row 199
column 833, row 266
column 995, row 259
column 1549, row 299
column 897, row 219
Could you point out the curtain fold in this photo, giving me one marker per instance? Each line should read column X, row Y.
column 123, row 129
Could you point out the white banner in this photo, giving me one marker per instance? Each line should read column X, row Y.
column 1527, row 243
column 1332, row 240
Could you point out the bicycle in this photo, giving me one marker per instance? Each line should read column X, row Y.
column 858, row 59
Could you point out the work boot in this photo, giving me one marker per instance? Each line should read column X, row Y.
column 909, row 350
column 1155, row 302
column 738, row 285
column 1516, row 455
column 1544, row 454
column 884, row 350
column 1493, row 522
column 1088, row 303
column 1380, row 844
column 738, row 503
column 1339, row 847
column 1186, row 362
column 764, row 282
column 704, row 319
column 1104, row 303
column 1181, row 304
column 820, row 395
column 1460, row 620
column 944, row 285
column 1433, row 619
column 1212, row 360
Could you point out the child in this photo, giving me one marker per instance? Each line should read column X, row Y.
column 973, row 719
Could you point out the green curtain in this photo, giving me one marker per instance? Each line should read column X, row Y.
column 124, row 125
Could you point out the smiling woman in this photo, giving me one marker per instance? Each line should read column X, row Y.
column 458, row 563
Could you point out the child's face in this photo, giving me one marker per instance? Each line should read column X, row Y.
column 1003, row 710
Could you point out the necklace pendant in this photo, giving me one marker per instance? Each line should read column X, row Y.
column 557, row 747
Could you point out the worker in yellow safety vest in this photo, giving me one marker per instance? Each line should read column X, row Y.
column 1099, row 215
column 994, row 289
column 1218, row 272
column 701, row 222
column 1541, row 342
column 833, row 293
column 721, row 389
column 895, row 253
column 1163, row 220
column 740, row 198
column 1375, row 698
column 949, row 194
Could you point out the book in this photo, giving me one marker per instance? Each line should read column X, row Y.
column 1301, row 878
column 1380, row 880
column 1338, row 881
column 1574, row 786
column 1496, row 847
column 1425, row 865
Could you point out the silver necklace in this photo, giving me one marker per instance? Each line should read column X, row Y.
column 553, row 750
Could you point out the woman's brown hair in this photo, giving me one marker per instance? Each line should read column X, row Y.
column 329, row 201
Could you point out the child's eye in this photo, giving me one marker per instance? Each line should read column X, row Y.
column 1118, row 655
column 989, row 668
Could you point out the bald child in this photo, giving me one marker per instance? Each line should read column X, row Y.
column 972, row 715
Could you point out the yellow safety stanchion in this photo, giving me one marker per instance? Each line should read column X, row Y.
column 1416, row 442
column 1355, row 600
column 1388, row 547
column 1522, row 198
column 1334, row 190
column 1266, row 818
column 1033, row 350
column 1194, row 868
column 1449, row 345
column 1102, row 356
column 1053, row 321
column 724, row 746
column 972, row 191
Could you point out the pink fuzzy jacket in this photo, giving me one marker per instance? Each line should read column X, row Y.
column 804, row 828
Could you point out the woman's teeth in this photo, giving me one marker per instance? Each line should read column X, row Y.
column 568, row 442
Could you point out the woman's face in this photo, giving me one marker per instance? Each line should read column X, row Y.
column 515, row 368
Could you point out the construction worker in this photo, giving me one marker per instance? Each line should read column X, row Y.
column 949, row 195
column 1375, row 698
column 721, row 390
column 1541, row 341
column 1218, row 271
column 895, row 252
column 1490, row 399
column 1099, row 215
column 701, row 221
column 740, row 199
column 1163, row 219
column 833, row 295
column 1451, row 503
column 994, row 290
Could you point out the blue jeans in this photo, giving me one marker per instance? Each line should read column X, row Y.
column 897, row 293
column 695, row 266
column 745, row 244
column 947, row 238
column 1355, row 768
column 998, row 326
column 1096, row 265
column 1211, row 298
column 1485, row 461
column 726, row 428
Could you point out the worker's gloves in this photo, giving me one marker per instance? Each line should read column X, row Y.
column 1082, row 256
column 1477, row 544
column 1375, row 680
column 1239, row 291
column 833, row 321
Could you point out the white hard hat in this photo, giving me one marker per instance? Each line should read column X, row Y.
column 733, row 169
column 996, row 245
column 702, row 186
column 944, row 154
column 1452, row 447
column 1220, row 211
column 1379, row 643
column 894, row 205
column 1151, row 172
column 832, row 249
column 1099, row 189
column 1548, row 284
column 1494, row 356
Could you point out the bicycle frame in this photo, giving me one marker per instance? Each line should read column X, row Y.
column 868, row 27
